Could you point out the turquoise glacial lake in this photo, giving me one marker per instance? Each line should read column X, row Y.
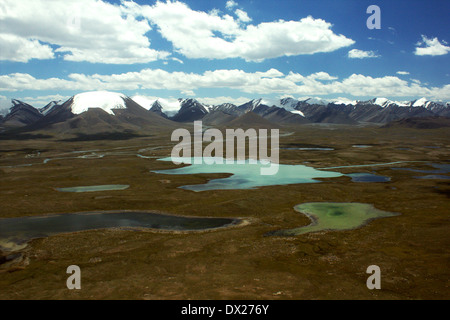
column 246, row 175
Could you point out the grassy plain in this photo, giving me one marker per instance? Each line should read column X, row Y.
column 412, row 249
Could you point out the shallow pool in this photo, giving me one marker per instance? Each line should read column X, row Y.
column 109, row 187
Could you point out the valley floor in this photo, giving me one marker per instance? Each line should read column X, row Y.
column 241, row 262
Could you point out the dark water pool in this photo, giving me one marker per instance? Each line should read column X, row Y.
column 439, row 168
column 20, row 230
column 433, row 176
column 367, row 177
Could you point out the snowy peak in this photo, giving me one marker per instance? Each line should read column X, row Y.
column 251, row 105
column 256, row 102
column 191, row 110
column 288, row 102
column 168, row 107
column 383, row 102
column 316, row 101
column 434, row 106
column 21, row 107
column 19, row 104
column 21, row 114
column 225, row 106
column 156, row 106
column 16, row 102
column 344, row 101
column 144, row 102
column 422, row 102
column 107, row 101
column 48, row 107
column 271, row 102
column 192, row 105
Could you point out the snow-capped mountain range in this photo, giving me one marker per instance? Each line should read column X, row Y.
column 115, row 106
column 341, row 110
column 171, row 107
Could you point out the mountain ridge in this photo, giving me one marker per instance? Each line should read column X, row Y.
column 114, row 111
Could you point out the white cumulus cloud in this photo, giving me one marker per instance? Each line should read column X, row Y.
column 5, row 104
column 82, row 30
column 321, row 76
column 198, row 34
column 242, row 15
column 19, row 49
column 230, row 4
column 361, row 54
column 41, row 101
column 271, row 81
column 100, row 32
column 222, row 99
column 432, row 47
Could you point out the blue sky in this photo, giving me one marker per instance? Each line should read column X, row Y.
column 224, row 50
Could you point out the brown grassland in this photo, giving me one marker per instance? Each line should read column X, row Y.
column 240, row 262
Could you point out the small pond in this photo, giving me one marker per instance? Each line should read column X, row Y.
column 108, row 187
column 362, row 146
column 367, row 177
column 309, row 149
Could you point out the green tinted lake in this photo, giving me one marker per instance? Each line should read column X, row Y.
column 334, row 216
